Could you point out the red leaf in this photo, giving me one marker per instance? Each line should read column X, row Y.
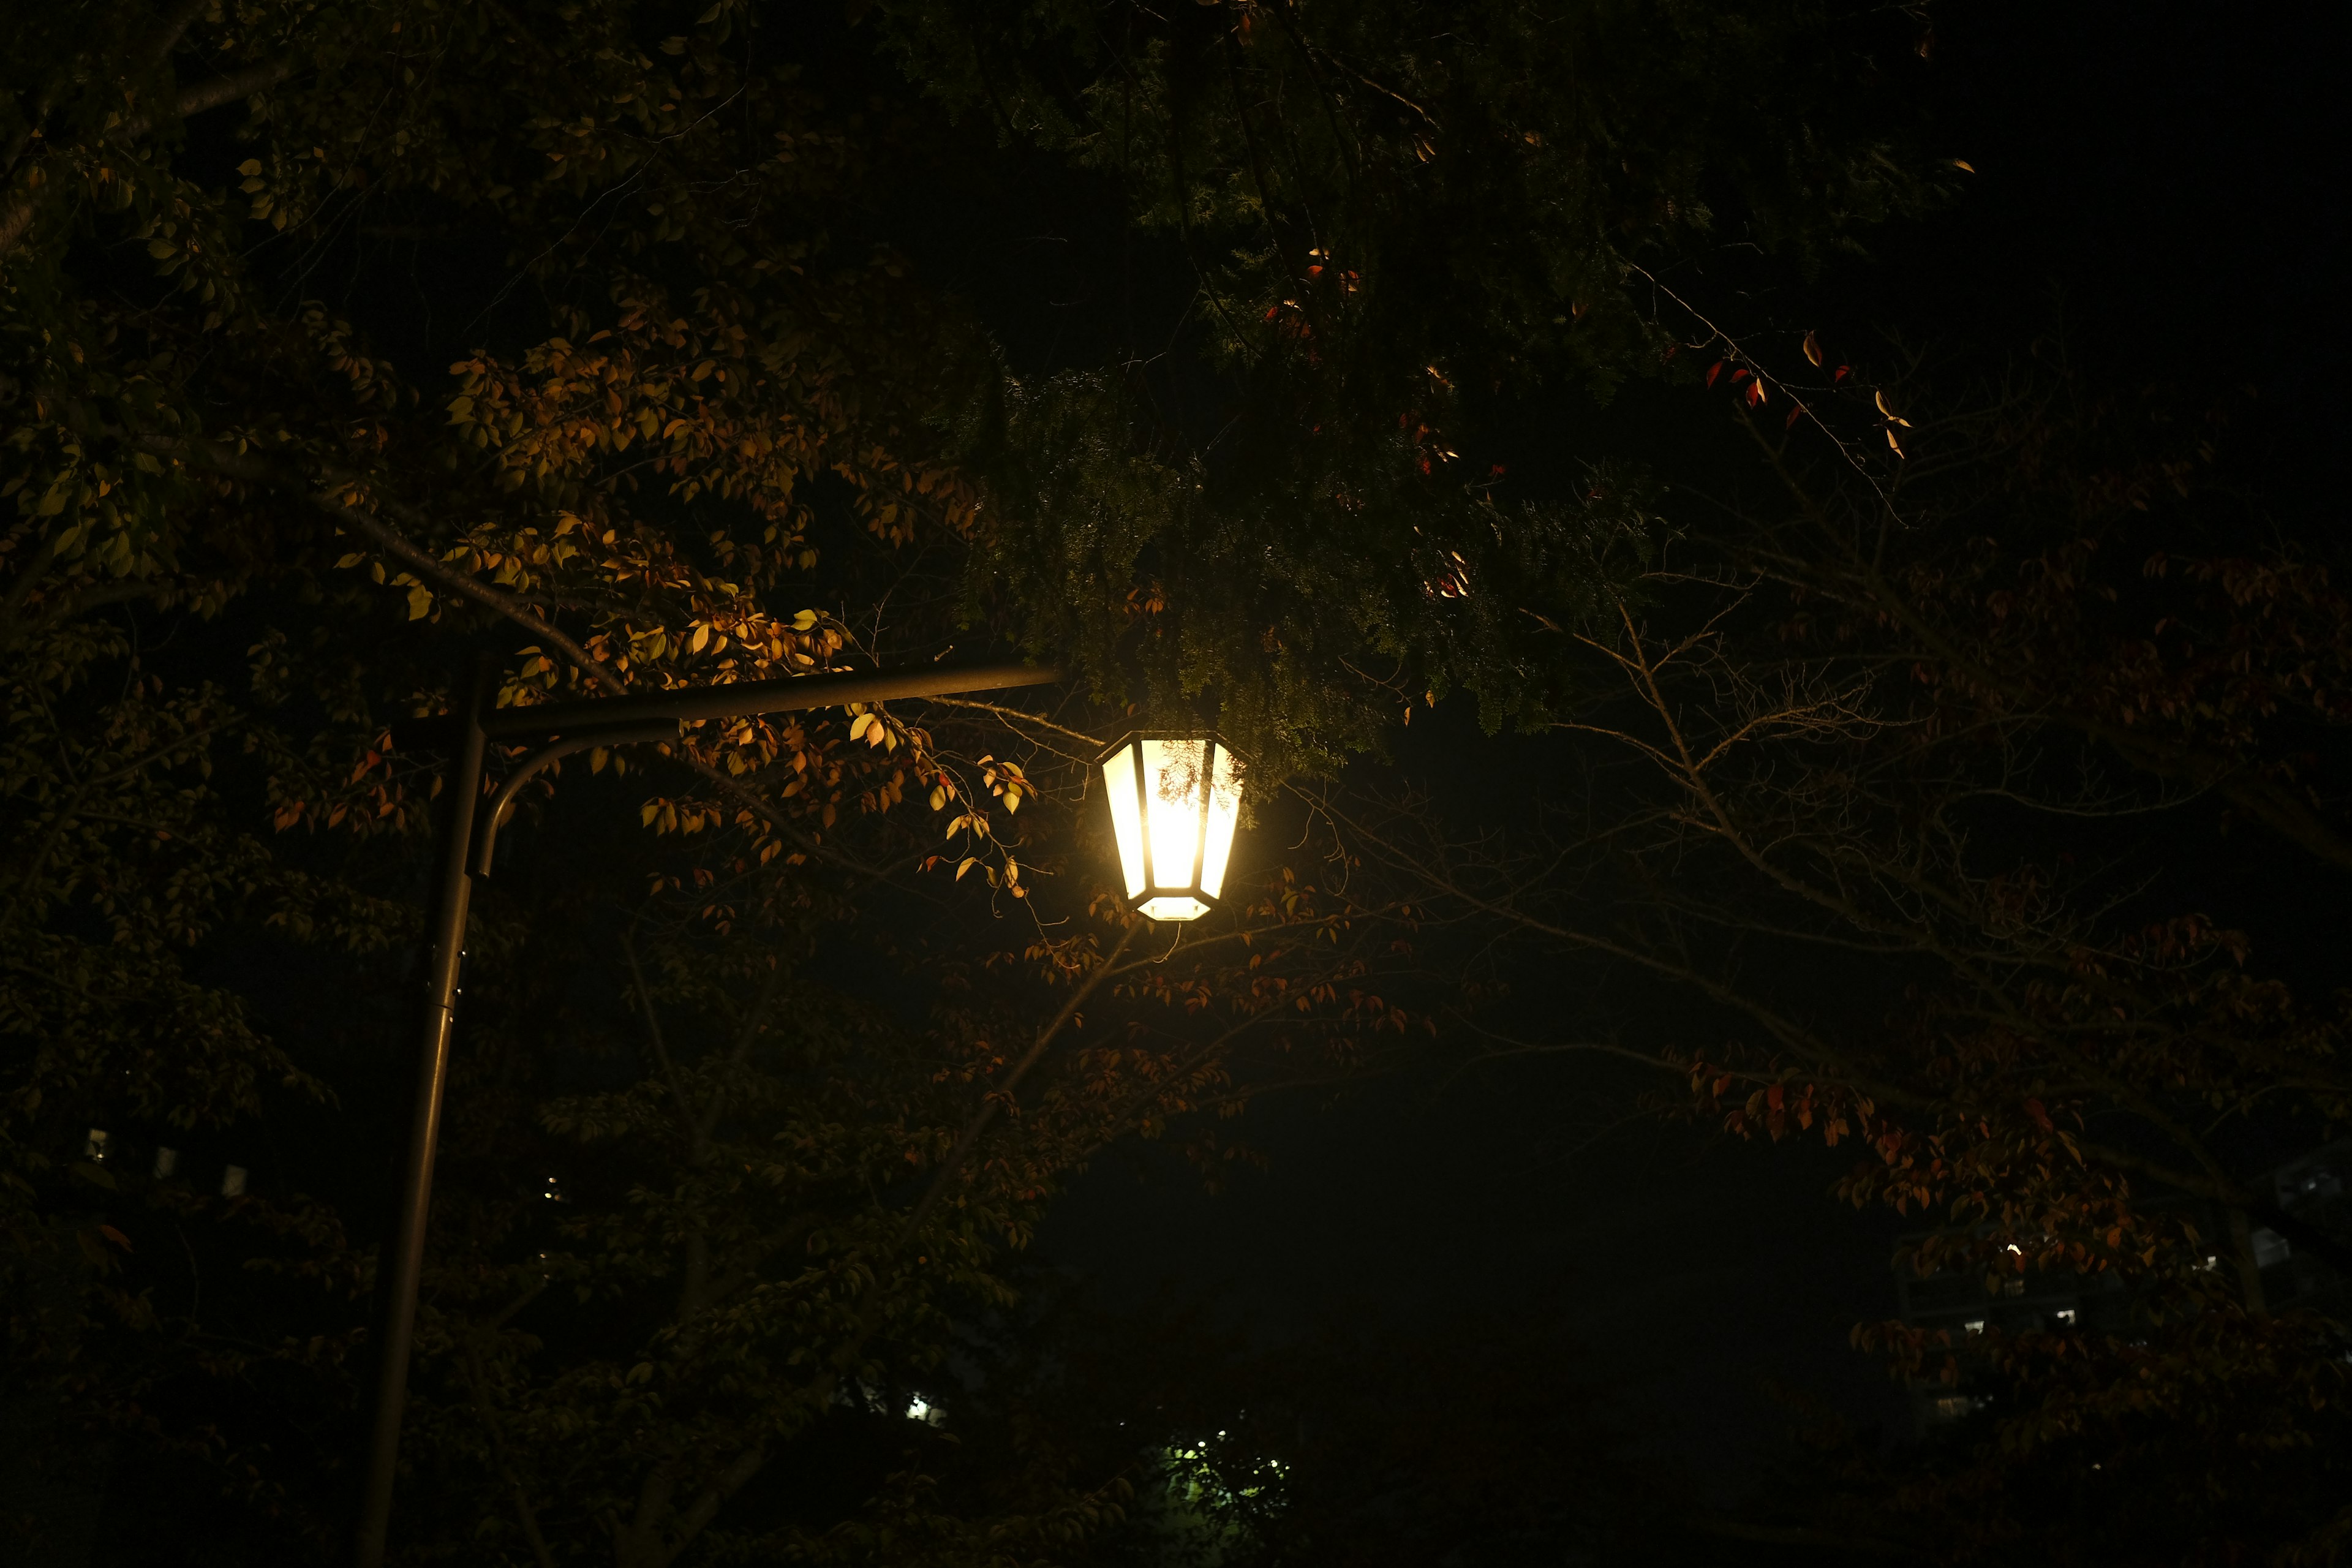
column 1793, row 415
column 1713, row 371
column 115, row 1236
column 1738, row 376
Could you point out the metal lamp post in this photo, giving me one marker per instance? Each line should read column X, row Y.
column 466, row 838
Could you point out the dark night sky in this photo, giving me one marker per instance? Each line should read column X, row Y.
column 2165, row 180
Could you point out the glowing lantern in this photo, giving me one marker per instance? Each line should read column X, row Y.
column 1175, row 801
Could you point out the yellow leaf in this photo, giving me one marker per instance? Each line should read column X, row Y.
column 1964, row 163
column 420, row 602
column 967, row 864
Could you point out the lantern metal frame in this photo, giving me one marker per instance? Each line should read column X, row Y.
column 1152, row 888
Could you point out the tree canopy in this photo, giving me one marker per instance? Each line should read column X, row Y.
column 618, row 342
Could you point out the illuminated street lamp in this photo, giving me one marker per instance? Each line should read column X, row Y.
column 1175, row 801
column 465, row 845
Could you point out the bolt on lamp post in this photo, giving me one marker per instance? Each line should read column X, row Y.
column 463, row 849
column 1175, row 801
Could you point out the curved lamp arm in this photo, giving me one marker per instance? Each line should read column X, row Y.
column 502, row 804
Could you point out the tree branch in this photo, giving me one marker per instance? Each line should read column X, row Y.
column 17, row 217
column 524, row 1515
column 257, row 470
column 998, row 1093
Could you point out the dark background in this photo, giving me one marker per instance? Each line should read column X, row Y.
column 2157, row 188
column 2158, row 191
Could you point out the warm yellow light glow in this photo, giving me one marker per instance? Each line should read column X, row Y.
column 1125, row 815
column 1223, row 817
column 1175, row 804
column 1168, row 909
column 1171, row 802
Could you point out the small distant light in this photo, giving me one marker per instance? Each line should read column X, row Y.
column 1974, row 1326
column 2066, row 1315
column 95, row 1149
column 232, row 1181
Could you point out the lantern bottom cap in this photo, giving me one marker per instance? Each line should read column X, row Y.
column 1177, row 909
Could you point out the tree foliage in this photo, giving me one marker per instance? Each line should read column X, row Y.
column 267, row 481
column 1884, row 839
column 1398, row 220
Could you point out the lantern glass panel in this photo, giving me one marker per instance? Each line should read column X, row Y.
column 1126, row 816
column 1224, row 816
column 1170, row 907
column 1171, row 801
